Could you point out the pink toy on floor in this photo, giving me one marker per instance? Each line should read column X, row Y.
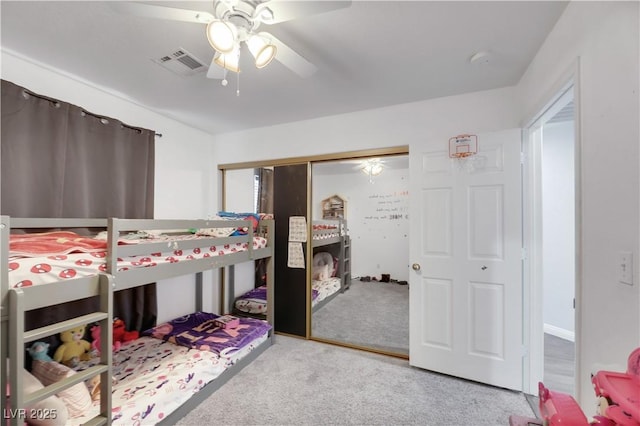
column 557, row 408
column 619, row 393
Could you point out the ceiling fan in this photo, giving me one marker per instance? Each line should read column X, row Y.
column 370, row 166
column 235, row 23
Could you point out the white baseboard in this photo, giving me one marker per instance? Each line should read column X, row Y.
column 560, row 332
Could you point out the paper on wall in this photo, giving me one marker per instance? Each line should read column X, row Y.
column 298, row 229
column 295, row 257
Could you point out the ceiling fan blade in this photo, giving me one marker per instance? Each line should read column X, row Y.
column 290, row 59
column 161, row 12
column 215, row 72
column 286, row 10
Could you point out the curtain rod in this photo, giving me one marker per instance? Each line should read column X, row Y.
column 103, row 119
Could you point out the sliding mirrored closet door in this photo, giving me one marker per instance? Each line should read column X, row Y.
column 281, row 190
column 360, row 253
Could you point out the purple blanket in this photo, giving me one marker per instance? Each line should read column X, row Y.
column 259, row 293
column 197, row 331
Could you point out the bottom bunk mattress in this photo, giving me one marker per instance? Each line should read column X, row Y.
column 325, row 288
column 154, row 376
column 253, row 302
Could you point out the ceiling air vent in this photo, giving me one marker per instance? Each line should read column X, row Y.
column 181, row 62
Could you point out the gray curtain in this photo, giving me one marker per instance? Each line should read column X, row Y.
column 59, row 160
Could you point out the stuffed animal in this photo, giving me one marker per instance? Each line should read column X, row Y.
column 39, row 351
column 95, row 342
column 73, row 348
column 120, row 334
column 93, row 384
column 95, row 339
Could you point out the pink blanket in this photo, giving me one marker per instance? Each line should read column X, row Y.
column 53, row 243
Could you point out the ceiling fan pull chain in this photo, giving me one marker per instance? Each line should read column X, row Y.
column 224, row 81
column 238, row 89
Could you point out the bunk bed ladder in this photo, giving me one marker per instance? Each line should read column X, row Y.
column 19, row 303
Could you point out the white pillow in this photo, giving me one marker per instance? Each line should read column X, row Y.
column 321, row 273
column 323, row 258
column 320, row 260
column 77, row 397
column 216, row 232
column 50, row 411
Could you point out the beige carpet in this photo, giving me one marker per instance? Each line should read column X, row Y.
column 302, row 382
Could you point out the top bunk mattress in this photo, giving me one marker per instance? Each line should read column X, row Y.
column 36, row 259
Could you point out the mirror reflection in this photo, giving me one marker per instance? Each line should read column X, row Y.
column 248, row 191
column 360, row 273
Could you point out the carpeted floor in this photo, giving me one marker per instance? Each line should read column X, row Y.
column 372, row 314
column 302, row 382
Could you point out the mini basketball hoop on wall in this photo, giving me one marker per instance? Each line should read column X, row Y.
column 462, row 148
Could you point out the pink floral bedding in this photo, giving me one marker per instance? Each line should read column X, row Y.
column 325, row 288
column 153, row 378
column 69, row 257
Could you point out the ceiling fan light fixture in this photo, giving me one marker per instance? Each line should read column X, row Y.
column 228, row 61
column 222, row 35
column 372, row 167
column 266, row 15
column 261, row 49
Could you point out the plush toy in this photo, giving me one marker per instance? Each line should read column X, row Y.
column 120, row 334
column 73, row 348
column 93, row 384
column 39, row 351
column 95, row 339
column 95, row 342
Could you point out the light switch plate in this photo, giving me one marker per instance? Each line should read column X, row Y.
column 625, row 267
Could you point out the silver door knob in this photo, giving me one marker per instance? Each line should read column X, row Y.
column 416, row 266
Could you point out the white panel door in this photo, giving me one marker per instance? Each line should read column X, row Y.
column 466, row 297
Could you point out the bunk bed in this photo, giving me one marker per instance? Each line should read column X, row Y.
column 329, row 235
column 331, row 269
column 127, row 257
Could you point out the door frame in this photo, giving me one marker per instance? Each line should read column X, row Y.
column 533, row 333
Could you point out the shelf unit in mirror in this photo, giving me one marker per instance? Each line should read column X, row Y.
column 334, row 207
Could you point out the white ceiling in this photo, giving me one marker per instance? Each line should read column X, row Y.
column 369, row 54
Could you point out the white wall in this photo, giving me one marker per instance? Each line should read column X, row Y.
column 239, row 191
column 558, row 233
column 604, row 38
column 379, row 242
column 384, row 127
column 184, row 172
